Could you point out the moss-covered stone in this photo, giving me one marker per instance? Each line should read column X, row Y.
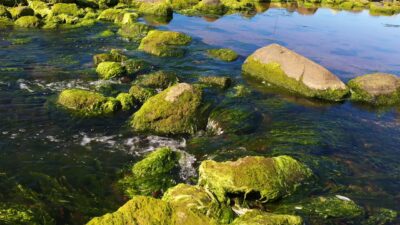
column 164, row 43
column 20, row 11
column 199, row 201
column 69, row 9
column 176, row 110
column 221, row 82
column 208, row 7
column 384, row 8
column 126, row 18
column 376, row 89
column 27, row 22
column 157, row 9
column 19, row 214
column 4, row 22
column 141, row 94
column 284, row 68
column 382, row 216
column 115, row 55
column 127, row 101
column 110, row 14
column 183, row 4
column 134, row 31
column 87, row 103
column 271, row 178
column 108, row 70
column 106, row 33
column 224, row 54
column 150, row 211
column 159, row 79
column 4, row 12
column 154, row 174
column 136, row 66
column 40, row 8
column 257, row 217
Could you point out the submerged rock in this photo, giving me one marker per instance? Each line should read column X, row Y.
column 377, row 89
column 87, row 103
column 222, row 82
column 108, row 70
column 224, row 54
column 141, row 94
column 154, row 174
column 134, row 31
column 159, row 79
column 199, row 201
column 270, row 178
column 176, row 110
column 27, row 22
column 282, row 67
column 256, row 217
column 136, row 66
column 143, row 210
column 115, row 55
column 164, row 43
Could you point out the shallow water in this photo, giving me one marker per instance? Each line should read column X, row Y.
column 72, row 163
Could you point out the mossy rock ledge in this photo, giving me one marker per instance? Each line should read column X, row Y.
column 176, row 110
column 257, row 217
column 87, row 103
column 376, row 89
column 282, row 67
column 268, row 178
column 165, row 43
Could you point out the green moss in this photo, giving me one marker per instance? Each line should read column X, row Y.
column 382, row 216
column 134, row 31
column 155, row 173
column 4, row 22
column 115, row 55
column 183, row 4
column 19, row 215
column 69, row 9
column 20, row 11
column 108, row 70
column 141, row 94
column 224, row 54
column 4, row 12
column 87, row 103
column 40, row 8
column 164, row 43
column 118, row 55
column 239, row 91
column 207, row 9
column 256, row 217
column 157, row 9
column 159, row 79
column 27, row 21
column 126, row 18
column 199, row 201
column 136, row 66
column 176, row 110
column 127, row 101
column 222, row 82
column 273, row 73
column 21, row 41
column 110, row 14
column 106, row 33
column 271, row 178
column 386, row 9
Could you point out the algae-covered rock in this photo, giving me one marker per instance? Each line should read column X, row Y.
column 164, row 43
column 126, row 18
column 20, row 11
column 256, row 217
column 199, row 201
column 382, row 216
column 141, row 94
column 155, row 173
column 108, row 70
column 127, row 101
column 27, row 21
column 40, row 8
column 106, row 33
column 143, row 210
column 134, row 31
column 284, row 68
column 4, row 12
column 271, row 178
column 176, row 110
column 19, row 214
column 110, row 14
column 87, row 103
column 386, row 8
column 159, row 79
column 69, row 9
column 157, row 9
column 224, row 54
column 377, row 89
column 136, row 66
column 209, row 7
column 222, row 82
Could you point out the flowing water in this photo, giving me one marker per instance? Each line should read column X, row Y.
column 71, row 164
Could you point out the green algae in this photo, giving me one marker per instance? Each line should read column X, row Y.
column 20, row 11
column 157, row 9
column 224, row 54
column 136, row 66
column 164, row 43
column 115, row 55
column 382, row 216
column 106, row 33
column 221, row 82
column 141, row 94
column 110, row 14
column 134, row 31
column 28, row 22
column 69, row 9
column 159, row 79
column 127, row 101
column 4, row 12
column 108, row 70
column 256, row 217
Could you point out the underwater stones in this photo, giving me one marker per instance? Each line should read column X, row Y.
column 199, row 201
column 87, row 103
column 176, row 110
column 376, row 89
column 127, row 101
column 141, row 94
column 284, row 68
column 136, row 66
column 164, row 43
column 271, row 178
column 156, row 9
column 27, row 22
column 224, row 54
column 69, row 9
column 221, row 82
column 160, row 79
column 150, row 211
column 20, row 11
column 134, row 31
column 154, row 174
column 257, row 217
column 108, row 70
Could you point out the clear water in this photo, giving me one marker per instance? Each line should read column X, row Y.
column 72, row 163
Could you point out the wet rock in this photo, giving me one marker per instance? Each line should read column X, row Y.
column 27, row 22
column 149, row 211
column 282, row 67
column 87, row 103
column 134, row 31
column 136, row 66
column 159, row 79
column 176, row 110
column 4, row 12
column 256, row 217
column 164, row 43
column 157, row 9
column 40, row 8
column 141, row 94
column 69, row 9
column 224, row 54
column 127, row 101
column 270, row 178
column 108, row 70
column 183, row 4
column 199, row 201
column 126, row 18
column 221, row 82
column 239, row 91
column 106, row 33
column 20, row 11
column 110, row 14
column 377, row 89
column 384, row 8
column 154, row 174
